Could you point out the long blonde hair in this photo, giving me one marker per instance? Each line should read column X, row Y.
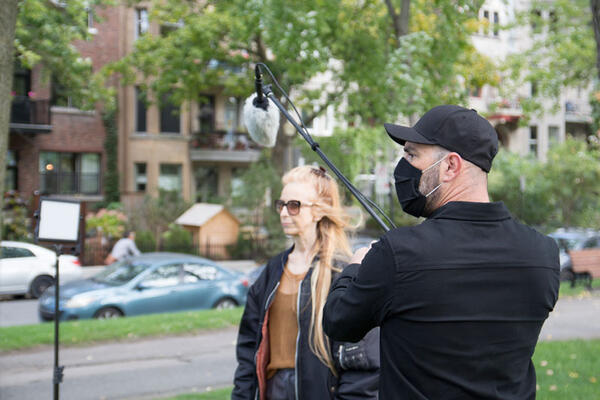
column 331, row 244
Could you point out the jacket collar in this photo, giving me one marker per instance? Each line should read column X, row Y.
column 471, row 211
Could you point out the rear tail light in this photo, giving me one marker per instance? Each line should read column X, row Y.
column 77, row 262
column 245, row 282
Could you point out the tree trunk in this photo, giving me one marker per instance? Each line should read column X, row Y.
column 8, row 20
column 595, row 6
column 399, row 21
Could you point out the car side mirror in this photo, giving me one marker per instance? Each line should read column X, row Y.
column 142, row 286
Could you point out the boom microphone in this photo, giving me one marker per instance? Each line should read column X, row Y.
column 261, row 117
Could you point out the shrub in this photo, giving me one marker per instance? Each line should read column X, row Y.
column 177, row 239
column 145, row 241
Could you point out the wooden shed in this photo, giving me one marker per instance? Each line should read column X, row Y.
column 213, row 228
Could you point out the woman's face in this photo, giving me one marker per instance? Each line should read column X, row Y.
column 296, row 225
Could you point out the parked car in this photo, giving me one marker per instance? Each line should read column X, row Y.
column 29, row 269
column 356, row 242
column 573, row 239
column 148, row 283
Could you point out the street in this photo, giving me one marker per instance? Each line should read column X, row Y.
column 158, row 367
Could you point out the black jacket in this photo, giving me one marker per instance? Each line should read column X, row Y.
column 357, row 364
column 460, row 299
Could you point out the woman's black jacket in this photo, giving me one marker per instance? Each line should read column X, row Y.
column 357, row 364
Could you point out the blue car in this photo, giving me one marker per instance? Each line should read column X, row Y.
column 149, row 283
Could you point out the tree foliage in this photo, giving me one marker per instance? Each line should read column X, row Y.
column 375, row 74
column 563, row 191
column 563, row 53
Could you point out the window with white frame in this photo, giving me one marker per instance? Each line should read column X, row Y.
column 170, row 177
column 141, row 22
column 141, row 178
column 533, row 140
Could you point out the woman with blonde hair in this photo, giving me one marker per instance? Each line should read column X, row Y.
column 282, row 350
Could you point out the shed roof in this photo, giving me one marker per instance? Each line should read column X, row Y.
column 201, row 213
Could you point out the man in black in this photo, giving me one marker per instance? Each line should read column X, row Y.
column 460, row 298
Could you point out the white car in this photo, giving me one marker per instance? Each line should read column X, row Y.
column 29, row 269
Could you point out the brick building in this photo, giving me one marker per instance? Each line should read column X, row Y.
column 54, row 147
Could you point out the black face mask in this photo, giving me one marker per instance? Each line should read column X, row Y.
column 407, row 180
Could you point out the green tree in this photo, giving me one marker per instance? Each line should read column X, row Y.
column 156, row 214
column 564, row 53
column 382, row 59
column 563, row 191
column 42, row 31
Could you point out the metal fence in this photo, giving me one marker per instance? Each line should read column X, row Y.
column 96, row 251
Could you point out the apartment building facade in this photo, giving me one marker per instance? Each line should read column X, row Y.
column 56, row 149
column 197, row 149
column 573, row 113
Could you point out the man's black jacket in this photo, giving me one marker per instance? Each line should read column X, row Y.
column 357, row 364
column 460, row 300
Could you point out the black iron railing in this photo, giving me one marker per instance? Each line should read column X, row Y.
column 25, row 110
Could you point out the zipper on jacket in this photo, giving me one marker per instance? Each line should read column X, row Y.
column 270, row 298
column 340, row 356
column 297, row 339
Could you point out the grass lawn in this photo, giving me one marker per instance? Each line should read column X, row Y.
column 565, row 370
column 579, row 289
column 93, row 331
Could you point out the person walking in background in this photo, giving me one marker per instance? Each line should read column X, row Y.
column 282, row 351
column 124, row 247
column 460, row 298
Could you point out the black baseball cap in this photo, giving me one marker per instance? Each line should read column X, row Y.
column 454, row 128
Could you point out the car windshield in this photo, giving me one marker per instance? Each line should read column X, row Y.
column 121, row 272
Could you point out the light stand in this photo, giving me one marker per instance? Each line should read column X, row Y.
column 315, row 147
column 58, row 222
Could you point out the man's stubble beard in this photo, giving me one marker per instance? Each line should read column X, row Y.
column 429, row 181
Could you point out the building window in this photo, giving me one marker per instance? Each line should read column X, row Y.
column 69, row 173
column 61, row 96
column 21, row 81
column 206, row 115
column 536, row 15
column 90, row 172
column 232, row 109
column 553, row 132
column 169, row 116
column 207, row 183
column 534, row 88
column 10, row 182
column 496, row 24
column 90, row 21
column 141, row 179
column 486, row 22
column 140, row 110
column 170, row 177
column 533, row 140
column 141, row 22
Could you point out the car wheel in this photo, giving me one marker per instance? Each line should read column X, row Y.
column 39, row 285
column 225, row 303
column 108, row 312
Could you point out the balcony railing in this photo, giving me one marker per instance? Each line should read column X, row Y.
column 30, row 114
column 69, row 183
column 221, row 140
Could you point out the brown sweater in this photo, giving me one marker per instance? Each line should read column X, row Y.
column 283, row 323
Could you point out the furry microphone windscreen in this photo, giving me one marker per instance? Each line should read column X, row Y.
column 262, row 125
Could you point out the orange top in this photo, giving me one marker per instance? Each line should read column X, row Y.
column 283, row 323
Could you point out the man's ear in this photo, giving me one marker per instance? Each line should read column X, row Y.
column 451, row 167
